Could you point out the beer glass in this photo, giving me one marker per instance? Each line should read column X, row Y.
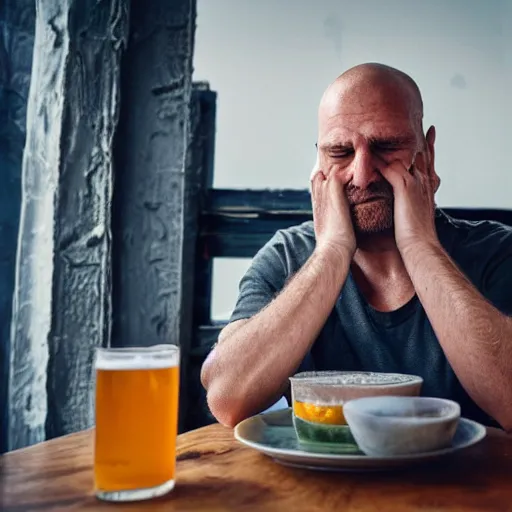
column 136, row 422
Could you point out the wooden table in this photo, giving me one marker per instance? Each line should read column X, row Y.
column 215, row 472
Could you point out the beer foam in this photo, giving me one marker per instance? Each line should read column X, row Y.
column 150, row 358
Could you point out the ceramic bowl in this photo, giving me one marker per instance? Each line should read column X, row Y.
column 318, row 400
column 395, row 425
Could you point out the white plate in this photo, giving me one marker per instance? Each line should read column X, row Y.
column 273, row 434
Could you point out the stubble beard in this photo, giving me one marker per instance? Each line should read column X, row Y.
column 372, row 208
column 372, row 218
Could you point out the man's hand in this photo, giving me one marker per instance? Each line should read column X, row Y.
column 414, row 209
column 331, row 213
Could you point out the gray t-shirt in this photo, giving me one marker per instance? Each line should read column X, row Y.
column 357, row 337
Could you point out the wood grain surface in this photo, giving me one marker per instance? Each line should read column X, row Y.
column 217, row 473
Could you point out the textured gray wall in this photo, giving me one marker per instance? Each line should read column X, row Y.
column 150, row 217
column 61, row 309
column 17, row 23
column 150, row 157
column 101, row 231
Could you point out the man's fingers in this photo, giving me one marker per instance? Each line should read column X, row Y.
column 423, row 169
column 316, row 180
column 420, row 165
column 396, row 174
column 428, row 169
column 318, row 177
column 426, row 175
column 338, row 180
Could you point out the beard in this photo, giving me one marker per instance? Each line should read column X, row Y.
column 371, row 208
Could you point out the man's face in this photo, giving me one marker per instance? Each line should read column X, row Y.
column 361, row 133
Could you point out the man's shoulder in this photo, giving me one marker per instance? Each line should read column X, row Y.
column 483, row 251
column 294, row 245
column 480, row 248
column 480, row 235
column 300, row 233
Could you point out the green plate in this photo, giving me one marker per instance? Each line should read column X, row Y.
column 273, row 434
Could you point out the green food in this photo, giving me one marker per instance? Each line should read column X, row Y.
column 323, row 438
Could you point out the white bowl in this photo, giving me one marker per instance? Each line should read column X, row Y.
column 394, row 425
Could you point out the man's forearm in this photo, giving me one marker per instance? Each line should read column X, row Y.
column 251, row 366
column 474, row 335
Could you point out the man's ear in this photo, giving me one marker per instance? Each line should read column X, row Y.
column 431, row 140
column 315, row 169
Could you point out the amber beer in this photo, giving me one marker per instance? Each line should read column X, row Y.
column 136, row 422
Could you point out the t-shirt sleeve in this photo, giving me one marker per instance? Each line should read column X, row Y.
column 497, row 277
column 264, row 279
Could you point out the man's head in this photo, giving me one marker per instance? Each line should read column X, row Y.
column 369, row 117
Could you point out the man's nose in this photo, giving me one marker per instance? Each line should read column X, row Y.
column 364, row 169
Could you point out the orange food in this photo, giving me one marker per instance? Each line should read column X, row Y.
column 325, row 414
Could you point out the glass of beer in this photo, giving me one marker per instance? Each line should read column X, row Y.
column 137, row 393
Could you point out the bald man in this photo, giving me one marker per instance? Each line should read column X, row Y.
column 381, row 280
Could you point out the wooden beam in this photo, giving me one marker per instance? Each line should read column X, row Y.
column 151, row 198
column 202, row 151
column 61, row 304
column 195, row 271
column 17, row 27
column 241, row 236
column 284, row 201
column 237, row 223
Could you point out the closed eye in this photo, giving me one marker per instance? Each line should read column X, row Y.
column 341, row 154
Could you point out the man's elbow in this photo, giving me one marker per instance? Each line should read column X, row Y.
column 225, row 408
column 206, row 372
column 222, row 403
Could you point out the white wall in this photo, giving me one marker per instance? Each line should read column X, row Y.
column 270, row 60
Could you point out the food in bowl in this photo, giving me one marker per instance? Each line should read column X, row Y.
column 318, row 399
